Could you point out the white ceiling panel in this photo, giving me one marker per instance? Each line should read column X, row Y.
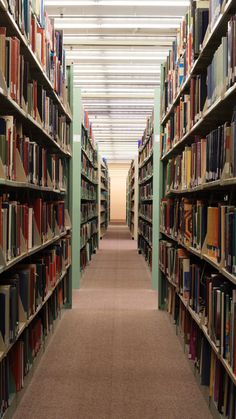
column 116, row 48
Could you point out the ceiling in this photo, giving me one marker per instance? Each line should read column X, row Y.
column 117, row 47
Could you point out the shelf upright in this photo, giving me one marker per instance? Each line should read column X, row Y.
column 76, row 188
column 197, row 280
column 156, row 191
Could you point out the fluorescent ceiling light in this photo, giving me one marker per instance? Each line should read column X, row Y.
column 110, row 90
column 115, row 81
column 136, row 3
column 91, row 57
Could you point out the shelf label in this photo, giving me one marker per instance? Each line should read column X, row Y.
column 157, row 138
column 77, row 138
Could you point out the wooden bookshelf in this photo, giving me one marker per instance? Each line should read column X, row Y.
column 35, row 167
column 132, row 199
column 145, row 182
column 185, row 186
column 103, row 197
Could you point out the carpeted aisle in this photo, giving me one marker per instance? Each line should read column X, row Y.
column 114, row 356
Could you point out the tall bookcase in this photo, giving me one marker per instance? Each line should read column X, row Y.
column 35, row 167
column 132, row 199
column 145, row 161
column 103, row 197
column 89, row 196
column 197, row 251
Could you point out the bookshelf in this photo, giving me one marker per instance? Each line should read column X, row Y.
column 132, row 199
column 35, row 168
column 89, row 195
column 197, row 284
column 145, row 171
column 103, row 197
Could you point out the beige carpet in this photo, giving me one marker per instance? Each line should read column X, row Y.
column 114, row 356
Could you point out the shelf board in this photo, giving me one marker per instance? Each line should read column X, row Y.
column 145, row 161
column 146, row 179
column 146, row 199
column 145, row 218
column 93, row 182
column 145, row 143
column 89, row 159
column 6, row 19
column 14, row 184
column 89, row 219
column 145, row 238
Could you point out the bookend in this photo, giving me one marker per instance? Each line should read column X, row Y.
column 37, row 238
column 49, row 180
column 3, row 85
column 67, row 219
column 20, row 171
column 23, row 244
column 3, row 262
column 57, row 230
column 2, row 170
column 49, row 233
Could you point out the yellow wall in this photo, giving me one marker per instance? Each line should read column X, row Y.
column 118, row 174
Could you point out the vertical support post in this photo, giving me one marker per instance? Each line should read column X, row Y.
column 136, row 198
column 156, row 192
column 76, row 186
column 99, row 196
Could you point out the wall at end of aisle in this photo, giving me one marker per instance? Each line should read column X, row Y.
column 118, row 174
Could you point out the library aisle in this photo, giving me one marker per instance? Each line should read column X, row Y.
column 114, row 356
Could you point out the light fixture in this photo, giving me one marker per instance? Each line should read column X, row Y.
column 115, row 3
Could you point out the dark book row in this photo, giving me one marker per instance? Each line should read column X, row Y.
column 24, row 289
column 25, row 225
column 145, row 249
column 146, row 151
column 88, row 250
column 88, row 147
column 146, row 191
column 207, row 365
column 17, row 364
column 145, row 230
column 88, row 169
column 211, row 229
column 145, row 171
column 88, row 191
column 88, row 210
column 87, row 231
column 145, row 210
column 147, row 132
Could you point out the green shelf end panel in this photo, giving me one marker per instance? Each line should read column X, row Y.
column 76, row 186
column 156, row 192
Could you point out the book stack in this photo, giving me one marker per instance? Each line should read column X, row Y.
column 89, row 195
column 35, row 242
column 197, row 212
column 132, row 197
column 145, row 161
column 104, row 186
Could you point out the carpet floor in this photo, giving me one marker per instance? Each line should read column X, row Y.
column 114, row 355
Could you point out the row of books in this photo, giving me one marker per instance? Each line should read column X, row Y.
column 210, row 295
column 207, row 228
column 146, row 191
column 19, row 360
column 145, row 230
column 28, row 93
column 88, row 210
column 146, row 171
column 45, row 41
column 87, row 146
column 221, row 71
column 88, row 131
column 148, row 130
column 23, row 290
column 146, row 151
column 185, row 49
column 145, row 249
column 88, row 169
column 221, row 389
column 26, row 225
column 88, row 250
column 18, row 152
column 88, row 190
column 146, row 210
column 206, row 160
column 87, row 231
